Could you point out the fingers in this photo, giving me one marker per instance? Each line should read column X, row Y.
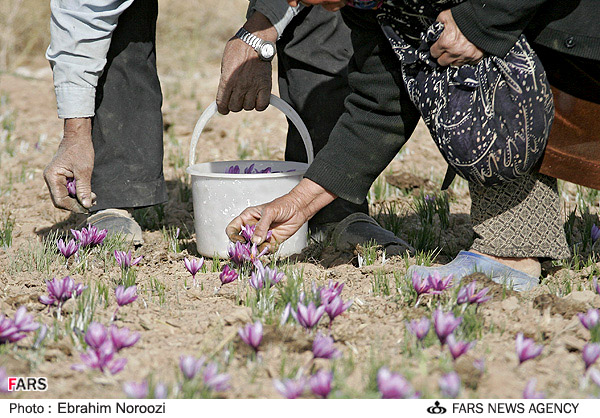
column 248, row 217
column 263, row 225
column 57, row 186
column 84, row 188
column 223, row 97
column 262, row 99
column 250, row 100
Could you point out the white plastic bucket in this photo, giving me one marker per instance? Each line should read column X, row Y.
column 219, row 197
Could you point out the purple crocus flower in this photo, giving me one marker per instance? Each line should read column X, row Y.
column 596, row 285
column 15, row 329
column 336, row 307
column 228, row 275
column 252, row 334
column 96, row 335
column 193, row 265
column 160, row 391
column 125, row 296
column 419, row 327
column 458, row 348
column 591, row 319
column 67, row 250
column 529, row 391
column 437, row 284
column 61, row 290
column 479, row 364
column 124, row 259
column 320, row 383
column 526, row 348
column 255, row 254
column 248, row 232
column 101, row 358
column 590, row 353
column 72, row 187
column 90, row 236
column 239, row 252
column 421, row 286
column 444, row 324
column 285, row 314
column 3, row 380
column 122, row 338
column 290, row 389
column 190, row 366
column 329, row 293
column 216, row 381
column 308, row 316
column 595, row 376
column 595, row 233
column 264, row 276
column 323, row 347
column 449, row 385
column 393, row 385
column 136, row 390
column 467, row 294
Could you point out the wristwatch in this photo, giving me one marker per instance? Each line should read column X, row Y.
column 265, row 49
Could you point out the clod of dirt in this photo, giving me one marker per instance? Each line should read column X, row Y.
column 410, row 182
column 586, row 297
column 238, row 316
column 564, row 307
column 469, row 374
column 497, row 291
column 511, row 304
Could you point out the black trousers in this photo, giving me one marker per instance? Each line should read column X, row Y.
column 127, row 130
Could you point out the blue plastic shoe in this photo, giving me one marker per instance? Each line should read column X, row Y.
column 467, row 263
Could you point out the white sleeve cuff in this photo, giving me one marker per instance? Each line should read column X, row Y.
column 75, row 101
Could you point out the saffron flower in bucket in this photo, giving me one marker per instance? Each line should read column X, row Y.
column 68, row 249
column 591, row 319
column 190, row 366
column 449, row 385
column 252, row 334
column 90, row 236
column 419, row 327
column 590, row 354
column 437, row 284
column 393, row 385
column 126, row 296
column 336, row 307
column 122, row 338
column 125, row 259
column 227, row 275
column 308, row 315
column 320, row 383
column 458, row 348
column 290, row 389
column 323, row 347
column 214, row 380
column 467, row 294
column 526, row 348
column 72, row 187
column 529, row 391
column 193, row 265
column 444, row 324
column 135, row 390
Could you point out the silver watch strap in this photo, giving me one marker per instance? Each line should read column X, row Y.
column 252, row 40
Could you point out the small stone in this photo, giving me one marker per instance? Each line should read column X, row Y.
column 583, row 296
column 238, row 316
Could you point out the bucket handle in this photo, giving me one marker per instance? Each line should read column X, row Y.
column 287, row 110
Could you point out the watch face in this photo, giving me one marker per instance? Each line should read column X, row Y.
column 267, row 51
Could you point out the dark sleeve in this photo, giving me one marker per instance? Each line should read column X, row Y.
column 495, row 25
column 378, row 119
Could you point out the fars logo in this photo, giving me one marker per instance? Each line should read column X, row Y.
column 27, row 384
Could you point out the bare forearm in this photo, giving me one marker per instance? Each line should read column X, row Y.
column 311, row 197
